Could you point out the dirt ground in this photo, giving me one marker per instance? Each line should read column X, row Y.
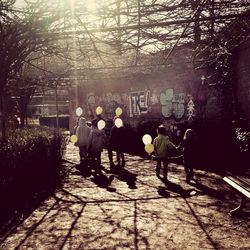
column 136, row 211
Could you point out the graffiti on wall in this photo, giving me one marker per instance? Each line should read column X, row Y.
column 190, row 108
column 172, row 104
column 138, row 103
column 108, row 101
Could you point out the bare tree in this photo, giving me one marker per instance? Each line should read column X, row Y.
column 20, row 37
column 117, row 33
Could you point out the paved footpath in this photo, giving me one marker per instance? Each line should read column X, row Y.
column 84, row 214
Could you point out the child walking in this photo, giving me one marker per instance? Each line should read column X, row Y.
column 82, row 132
column 188, row 146
column 96, row 142
column 162, row 146
column 117, row 142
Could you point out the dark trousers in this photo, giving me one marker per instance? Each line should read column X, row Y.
column 188, row 166
column 96, row 157
column 119, row 156
column 83, row 152
column 165, row 167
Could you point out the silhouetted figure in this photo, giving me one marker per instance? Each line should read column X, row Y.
column 117, row 143
column 96, row 142
column 82, row 133
column 162, row 147
column 189, row 147
column 16, row 121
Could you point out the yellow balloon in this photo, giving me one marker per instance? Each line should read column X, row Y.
column 149, row 148
column 118, row 111
column 99, row 110
column 73, row 138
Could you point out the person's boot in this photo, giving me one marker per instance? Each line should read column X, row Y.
column 110, row 179
column 123, row 164
column 158, row 174
column 188, row 178
column 112, row 166
column 165, row 178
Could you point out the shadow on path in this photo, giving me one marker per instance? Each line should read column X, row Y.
column 96, row 174
column 171, row 187
column 124, row 175
column 207, row 190
column 214, row 244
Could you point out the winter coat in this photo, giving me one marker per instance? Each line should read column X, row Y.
column 117, row 138
column 162, row 146
column 96, row 140
column 82, row 133
column 189, row 147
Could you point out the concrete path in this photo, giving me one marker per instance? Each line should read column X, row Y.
column 84, row 214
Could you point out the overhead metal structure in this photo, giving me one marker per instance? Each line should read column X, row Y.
column 123, row 35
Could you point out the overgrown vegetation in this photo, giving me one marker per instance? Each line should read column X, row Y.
column 30, row 167
column 241, row 144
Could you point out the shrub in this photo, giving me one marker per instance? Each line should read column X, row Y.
column 241, row 143
column 30, row 163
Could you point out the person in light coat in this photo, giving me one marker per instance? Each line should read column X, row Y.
column 162, row 147
column 82, row 133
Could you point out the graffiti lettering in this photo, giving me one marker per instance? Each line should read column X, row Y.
column 108, row 101
column 138, row 103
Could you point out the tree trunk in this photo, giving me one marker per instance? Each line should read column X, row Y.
column 3, row 116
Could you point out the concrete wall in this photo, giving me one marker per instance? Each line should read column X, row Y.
column 172, row 94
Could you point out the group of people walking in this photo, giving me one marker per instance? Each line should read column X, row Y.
column 163, row 147
column 91, row 142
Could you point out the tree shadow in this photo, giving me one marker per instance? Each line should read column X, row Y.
column 19, row 204
column 124, row 175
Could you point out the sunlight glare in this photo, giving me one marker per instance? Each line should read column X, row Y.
column 91, row 4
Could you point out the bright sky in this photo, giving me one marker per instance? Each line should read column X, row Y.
column 19, row 3
column 91, row 4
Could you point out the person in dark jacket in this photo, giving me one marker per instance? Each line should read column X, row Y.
column 117, row 143
column 96, row 142
column 189, row 146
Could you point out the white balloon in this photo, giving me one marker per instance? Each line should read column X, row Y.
column 147, row 139
column 118, row 122
column 101, row 124
column 79, row 111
